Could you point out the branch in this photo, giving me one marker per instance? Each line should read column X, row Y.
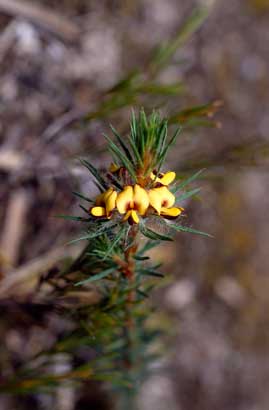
column 41, row 16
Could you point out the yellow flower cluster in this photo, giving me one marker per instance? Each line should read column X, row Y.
column 133, row 201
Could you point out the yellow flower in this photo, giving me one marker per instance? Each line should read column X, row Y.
column 131, row 202
column 164, row 179
column 105, row 203
column 114, row 167
column 162, row 200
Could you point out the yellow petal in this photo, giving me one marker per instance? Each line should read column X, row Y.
column 155, row 199
column 164, row 179
column 110, row 202
column 168, row 199
column 153, row 176
column 161, row 198
column 167, row 178
column 131, row 216
column 134, row 217
column 141, row 199
column 171, row 212
column 124, row 199
column 98, row 211
column 100, row 199
column 107, row 193
column 114, row 167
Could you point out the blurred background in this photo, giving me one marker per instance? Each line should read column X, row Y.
column 59, row 64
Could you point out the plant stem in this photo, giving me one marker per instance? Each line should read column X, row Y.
column 130, row 274
column 129, row 321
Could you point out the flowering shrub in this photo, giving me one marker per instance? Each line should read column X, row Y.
column 134, row 188
column 133, row 192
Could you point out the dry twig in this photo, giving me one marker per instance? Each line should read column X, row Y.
column 25, row 278
column 43, row 17
column 14, row 226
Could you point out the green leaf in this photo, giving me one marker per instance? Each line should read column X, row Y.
column 117, row 380
column 181, row 228
column 151, row 272
column 117, row 238
column 161, row 138
column 133, row 124
column 73, row 218
column 148, row 246
column 188, row 115
column 85, row 210
column 162, row 89
column 122, row 143
column 94, row 234
column 115, row 181
column 149, row 233
column 141, row 258
column 188, row 194
column 79, row 195
column 114, row 103
column 186, row 181
column 142, row 126
column 101, row 275
column 95, row 173
column 142, row 293
column 125, row 161
column 136, row 153
column 167, row 50
column 125, row 83
column 192, row 123
column 166, row 148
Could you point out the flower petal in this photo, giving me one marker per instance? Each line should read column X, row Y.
column 131, row 216
column 114, row 167
column 108, row 193
column 110, row 202
column 153, row 176
column 155, row 199
column 168, row 178
column 164, row 179
column 124, row 199
column 101, row 198
column 168, row 199
column 98, row 211
column 141, row 199
column 171, row 212
column 161, row 198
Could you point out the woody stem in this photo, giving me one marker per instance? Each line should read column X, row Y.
column 130, row 275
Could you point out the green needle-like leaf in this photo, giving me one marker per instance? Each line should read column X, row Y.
column 151, row 272
column 149, row 233
column 94, row 234
column 164, row 152
column 79, row 195
column 167, row 50
column 188, row 194
column 74, row 218
column 187, row 181
column 122, row 157
column 122, row 143
column 101, row 275
column 181, row 228
column 116, row 240
column 95, row 173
